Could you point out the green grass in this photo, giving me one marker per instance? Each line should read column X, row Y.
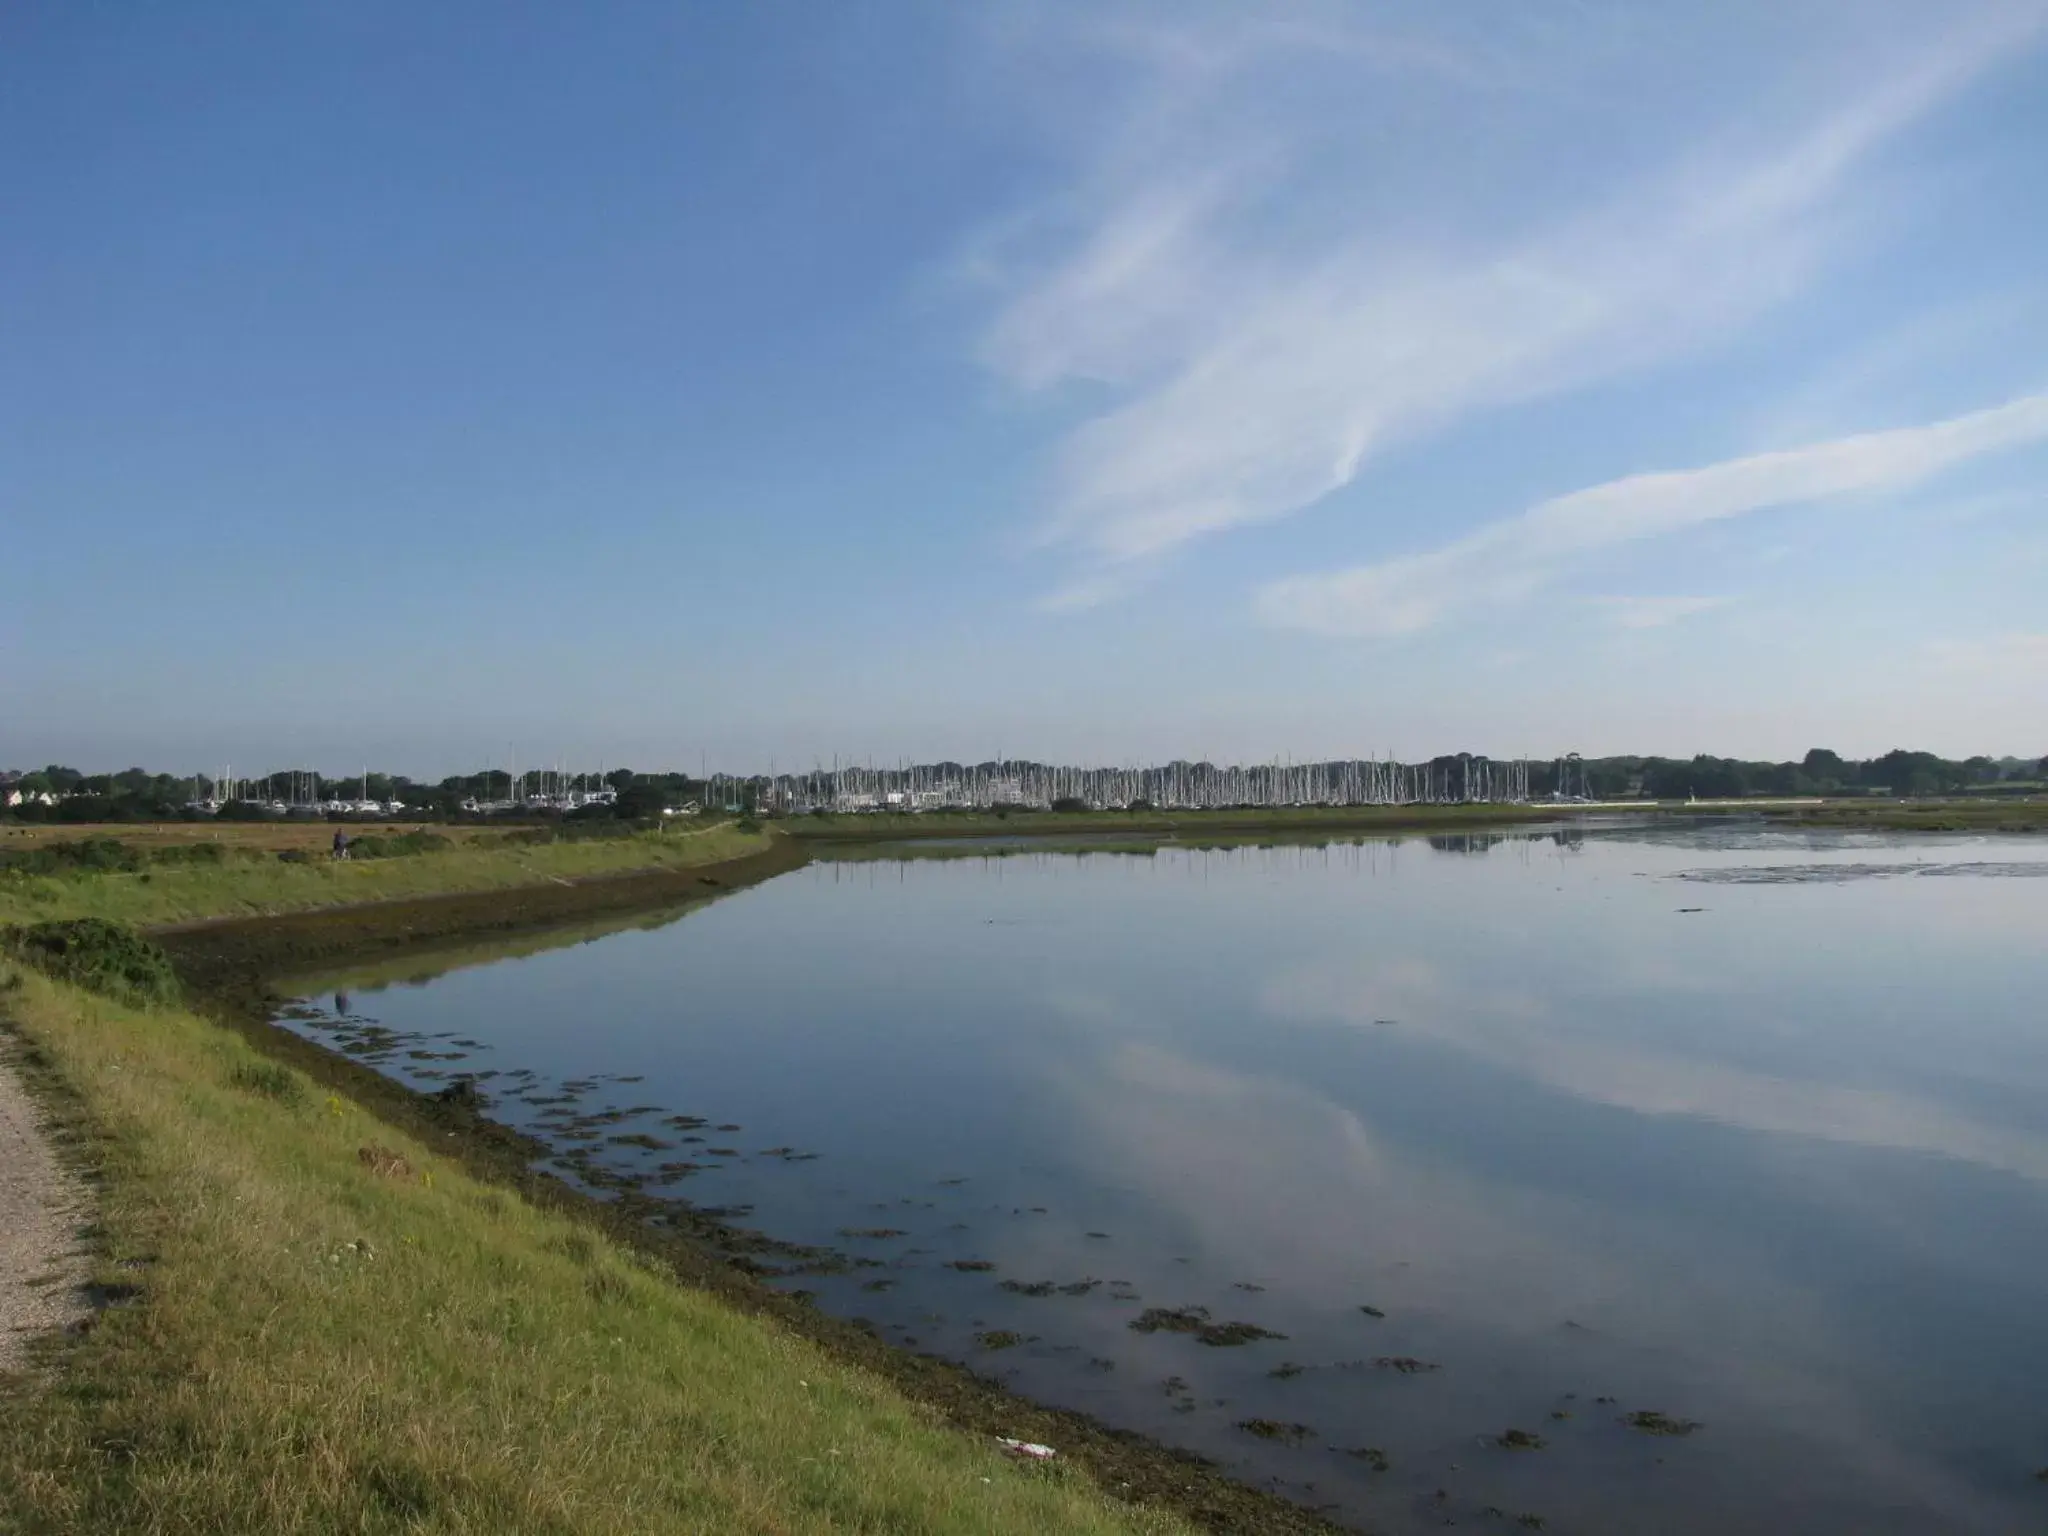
column 1986, row 815
column 98, row 955
column 246, row 885
column 321, row 1346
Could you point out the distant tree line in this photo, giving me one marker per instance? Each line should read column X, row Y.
column 63, row 794
column 1820, row 772
column 135, row 794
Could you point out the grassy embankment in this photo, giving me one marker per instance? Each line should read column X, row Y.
column 199, row 876
column 192, row 872
column 328, row 1340
column 1152, row 825
column 1988, row 815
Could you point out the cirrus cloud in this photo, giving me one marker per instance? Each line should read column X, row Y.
column 1265, row 344
column 1507, row 561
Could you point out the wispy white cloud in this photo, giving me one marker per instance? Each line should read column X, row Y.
column 1265, row 354
column 1508, row 560
column 1654, row 612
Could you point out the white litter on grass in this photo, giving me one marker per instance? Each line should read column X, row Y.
column 1027, row 1448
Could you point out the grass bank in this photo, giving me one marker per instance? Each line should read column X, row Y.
column 326, row 1324
column 1290, row 820
column 173, row 875
column 2005, row 815
column 175, row 884
column 308, row 834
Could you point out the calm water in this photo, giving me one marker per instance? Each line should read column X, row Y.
column 1775, row 1165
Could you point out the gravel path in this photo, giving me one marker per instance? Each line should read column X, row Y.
column 42, row 1263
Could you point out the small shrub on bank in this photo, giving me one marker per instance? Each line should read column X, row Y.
column 404, row 845
column 100, row 956
column 576, row 1246
column 208, row 854
column 384, row 1162
column 268, row 1080
column 79, row 856
column 594, row 830
column 111, row 856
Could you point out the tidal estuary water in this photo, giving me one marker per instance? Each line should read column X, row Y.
column 1680, row 1178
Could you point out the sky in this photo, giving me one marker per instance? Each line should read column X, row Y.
column 660, row 385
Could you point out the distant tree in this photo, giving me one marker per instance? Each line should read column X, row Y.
column 1070, row 803
column 639, row 802
column 1708, row 778
column 1779, row 779
column 1914, row 773
column 83, row 808
column 1610, row 778
column 428, row 799
column 492, row 784
column 1825, row 767
column 619, row 778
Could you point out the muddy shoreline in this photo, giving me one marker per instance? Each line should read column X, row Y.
column 232, row 969
column 1171, row 826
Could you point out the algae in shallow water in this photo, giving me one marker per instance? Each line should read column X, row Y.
column 1651, row 1422
column 1274, row 1429
column 1406, row 1365
column 1195, row 1322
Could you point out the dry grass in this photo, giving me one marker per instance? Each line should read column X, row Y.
column 307, row 834
column 326, row 1342
column 257, row 883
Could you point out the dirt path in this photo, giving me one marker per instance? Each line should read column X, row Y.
column 42, row 1265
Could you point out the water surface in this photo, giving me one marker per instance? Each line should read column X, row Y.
column 1741, row 1128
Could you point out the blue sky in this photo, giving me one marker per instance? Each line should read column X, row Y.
column 658, row 383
